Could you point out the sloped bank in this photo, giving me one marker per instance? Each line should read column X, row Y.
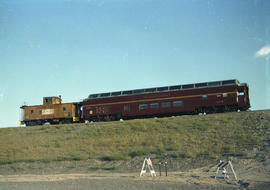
column 185, row 142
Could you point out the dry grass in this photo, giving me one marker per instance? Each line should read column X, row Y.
column 234, row 134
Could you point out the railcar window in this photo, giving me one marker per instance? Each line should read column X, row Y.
column 229, row 82
column 200, row 85
column 126, row 108
column 205, row 97
column 104, row 95
column 211, row 84
column 225, row 95
column 127, row 92
column 177, row 103
column 241, row 94
column 175, row 87
column 93, row 96
column 32, row 112
column 162, row 89
column 188, row 86
column 69, row 114
column 154, row 105
column 140, row 91
column 64, row 109
column 116, row 93
column 150, row 90
column 143, row 106
column 166, row 104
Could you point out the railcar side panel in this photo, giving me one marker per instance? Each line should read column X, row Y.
column 214, row 99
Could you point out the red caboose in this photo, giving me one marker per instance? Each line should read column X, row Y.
column 208, row 97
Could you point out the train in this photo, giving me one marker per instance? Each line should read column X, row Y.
column 186, row 99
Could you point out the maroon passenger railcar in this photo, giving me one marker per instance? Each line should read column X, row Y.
column 207, row 97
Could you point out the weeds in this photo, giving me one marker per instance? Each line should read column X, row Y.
column 113, row 157
column 95, row 168
column 179, row 137
column 139, row 152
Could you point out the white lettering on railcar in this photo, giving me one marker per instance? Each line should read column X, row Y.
column 47, row 111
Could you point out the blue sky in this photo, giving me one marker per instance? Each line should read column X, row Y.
column 74, row 48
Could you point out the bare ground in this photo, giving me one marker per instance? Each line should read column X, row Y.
column 251, row 175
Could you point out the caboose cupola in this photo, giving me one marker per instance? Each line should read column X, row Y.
column 52, row 100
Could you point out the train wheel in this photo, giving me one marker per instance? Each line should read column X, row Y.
column 31, row 123
column 107, row 118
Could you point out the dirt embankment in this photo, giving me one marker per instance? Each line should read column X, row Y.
column 252, row 168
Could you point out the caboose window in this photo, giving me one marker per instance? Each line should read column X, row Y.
column 143, row 106
column 177, row 103
column 64, row 109
column 48, row 100
column 154, row 105
column 166, row 104
column 32, row 112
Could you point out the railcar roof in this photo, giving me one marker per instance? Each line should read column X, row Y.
column 41, row 105
column 165, row 89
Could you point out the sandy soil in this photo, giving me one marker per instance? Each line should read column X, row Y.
column 112, row 181
column 199, row 178
column 122, row 175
